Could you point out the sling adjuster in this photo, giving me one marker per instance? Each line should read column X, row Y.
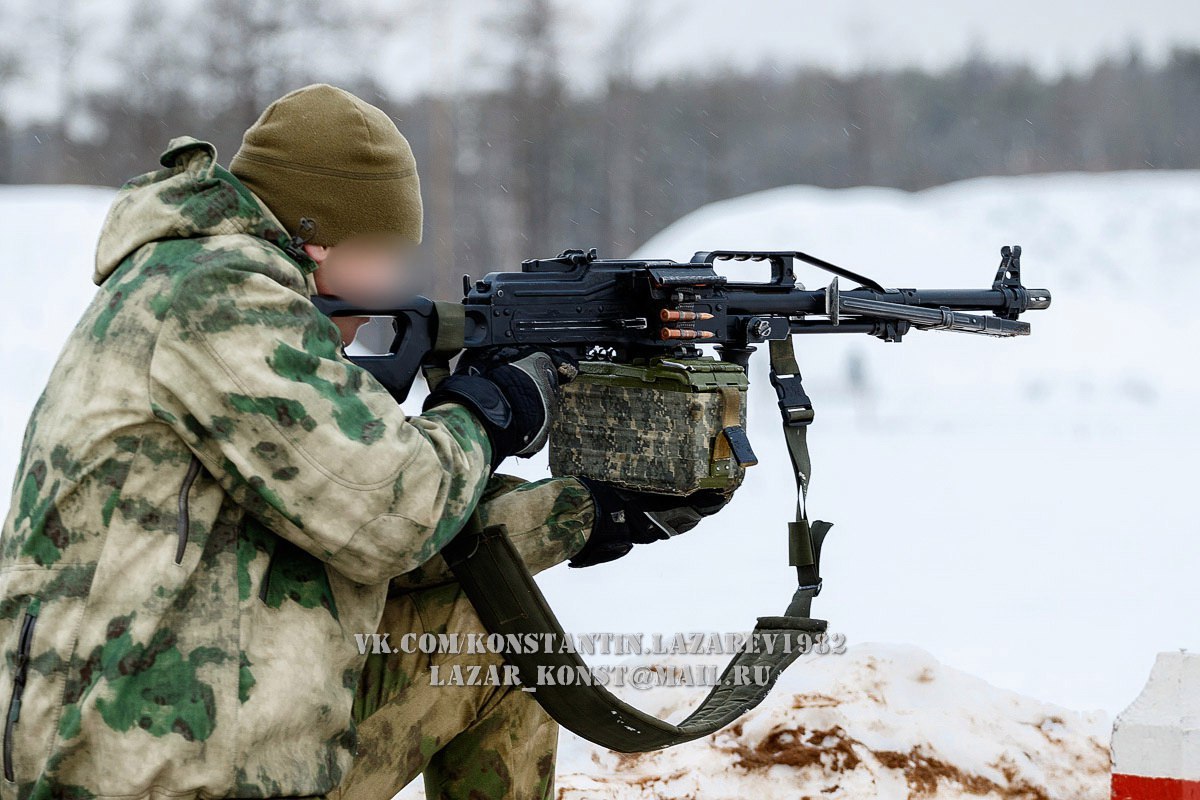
column 794, row 404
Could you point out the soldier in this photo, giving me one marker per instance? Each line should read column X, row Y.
column 213, row 505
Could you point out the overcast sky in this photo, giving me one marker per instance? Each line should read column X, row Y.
column 461, row 43
column 1052, row 35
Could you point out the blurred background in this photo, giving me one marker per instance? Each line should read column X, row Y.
column 1020, row 509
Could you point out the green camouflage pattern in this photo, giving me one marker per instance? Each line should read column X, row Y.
column 488, row 741
column 211, row 502
column 649, row 427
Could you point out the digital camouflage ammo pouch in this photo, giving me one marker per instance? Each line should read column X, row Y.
column 671, row 426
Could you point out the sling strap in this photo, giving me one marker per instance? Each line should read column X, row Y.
column 508, row 601
column 804, row 538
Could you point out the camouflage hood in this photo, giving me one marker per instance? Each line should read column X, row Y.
column 192, row 196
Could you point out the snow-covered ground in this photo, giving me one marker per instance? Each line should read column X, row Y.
column 880, row 721
column 1020, row 510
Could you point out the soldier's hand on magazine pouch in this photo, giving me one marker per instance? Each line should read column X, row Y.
column 513, row 390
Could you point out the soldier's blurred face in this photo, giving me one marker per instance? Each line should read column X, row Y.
column 363, row 270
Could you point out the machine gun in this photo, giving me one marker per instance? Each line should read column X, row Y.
column 625, row 309
column 636, row 327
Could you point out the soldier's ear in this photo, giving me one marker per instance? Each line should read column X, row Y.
column 317, row 252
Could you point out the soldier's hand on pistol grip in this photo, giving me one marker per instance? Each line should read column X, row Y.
column 513, row 391
column 625, row 517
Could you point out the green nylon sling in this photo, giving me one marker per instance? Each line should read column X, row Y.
column 504, row 594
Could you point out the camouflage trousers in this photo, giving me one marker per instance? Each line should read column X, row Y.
column 484, row 742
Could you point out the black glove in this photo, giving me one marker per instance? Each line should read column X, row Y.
column 625, row 517
column 512, row 390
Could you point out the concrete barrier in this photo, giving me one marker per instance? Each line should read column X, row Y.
column 1156, row 741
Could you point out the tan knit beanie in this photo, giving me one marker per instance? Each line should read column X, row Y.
column 322, row 153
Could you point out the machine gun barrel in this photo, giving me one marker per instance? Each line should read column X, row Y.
column 934, row 318
column 802, row 302
column 887, row 314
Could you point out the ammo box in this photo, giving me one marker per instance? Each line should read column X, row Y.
column 653, row 427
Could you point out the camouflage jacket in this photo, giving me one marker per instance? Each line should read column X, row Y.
column 210, row 504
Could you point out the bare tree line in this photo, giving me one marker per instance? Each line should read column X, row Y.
column 529, row 168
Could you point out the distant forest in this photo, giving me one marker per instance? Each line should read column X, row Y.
column 530, row 168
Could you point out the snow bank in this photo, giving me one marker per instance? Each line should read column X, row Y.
column 880, row 721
